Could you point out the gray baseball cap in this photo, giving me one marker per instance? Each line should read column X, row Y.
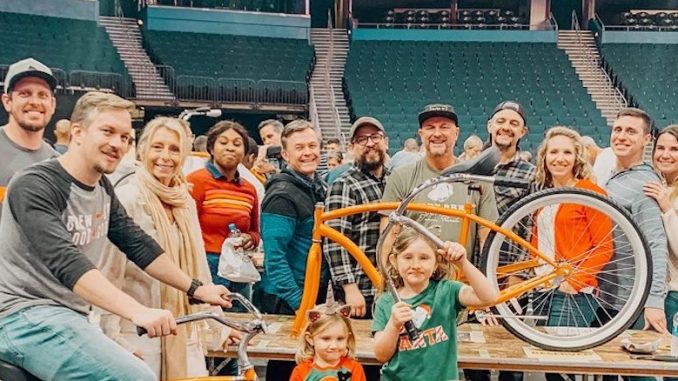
column 365, row 120
column 29, row 67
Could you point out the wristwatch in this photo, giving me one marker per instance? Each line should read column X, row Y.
column 194, row 286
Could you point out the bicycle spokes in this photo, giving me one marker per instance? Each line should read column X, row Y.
column 586, row 282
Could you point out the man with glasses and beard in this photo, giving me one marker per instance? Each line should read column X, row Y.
column 362, row 184
column 30, row 102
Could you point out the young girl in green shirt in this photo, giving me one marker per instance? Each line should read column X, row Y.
column 432, row 301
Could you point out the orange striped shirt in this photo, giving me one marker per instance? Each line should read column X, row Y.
column 221, row 202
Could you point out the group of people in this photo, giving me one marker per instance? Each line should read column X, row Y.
column 84, row 262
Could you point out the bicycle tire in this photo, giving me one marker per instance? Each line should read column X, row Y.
column 624, row 223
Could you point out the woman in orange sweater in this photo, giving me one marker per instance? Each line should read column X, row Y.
column 223, row 197
column 570, row 232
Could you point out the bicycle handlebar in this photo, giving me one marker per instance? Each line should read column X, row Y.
column 255, row 326
column 250, row 328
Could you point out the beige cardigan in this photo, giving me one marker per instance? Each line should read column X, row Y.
column 671, row 226
column 135, row 282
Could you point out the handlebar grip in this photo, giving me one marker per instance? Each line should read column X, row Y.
column 511, row 183
column 412, row 331
column 141, row 331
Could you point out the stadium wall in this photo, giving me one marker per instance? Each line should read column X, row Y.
column 624, row 37
column 455, row 35
column 243, row 23
column 77, row 9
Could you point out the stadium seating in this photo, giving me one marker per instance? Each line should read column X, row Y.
column 66, row 44
column 246, row 5
column 440, row 19
column 266, row 61
column 643, row 21
column 393, row 80
column 656, row 90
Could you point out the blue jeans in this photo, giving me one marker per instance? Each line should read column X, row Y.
column 245, row 289
column 57, row 343
column 571, row 310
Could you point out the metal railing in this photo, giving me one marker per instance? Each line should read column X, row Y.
column 553, row 22
column 281, row 92
column 444, row 26
column 642, row 28
column 234, row 90
column 593, row 66
column 81, row 80
column 98, row 81
column 313, row 109
column 336, row 120
column 195, row 87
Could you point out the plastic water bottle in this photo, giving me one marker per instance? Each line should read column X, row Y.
column 674, row 336
column 235, row 238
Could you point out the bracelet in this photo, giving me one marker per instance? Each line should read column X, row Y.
column 194, row 286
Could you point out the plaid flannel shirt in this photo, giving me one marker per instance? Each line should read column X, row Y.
column 354, row 187
column 517, row 168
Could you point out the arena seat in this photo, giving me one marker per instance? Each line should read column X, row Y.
column 259, row 59
column 386, row 76
column 656, row 90
column 62, row 43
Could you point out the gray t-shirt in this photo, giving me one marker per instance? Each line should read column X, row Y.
column 15, row 158
column 53, row 230
column 450, row 196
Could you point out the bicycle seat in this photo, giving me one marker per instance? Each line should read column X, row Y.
column 482, row 165
column 9, row 372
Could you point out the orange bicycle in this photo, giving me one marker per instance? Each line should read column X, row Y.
column 526, row 275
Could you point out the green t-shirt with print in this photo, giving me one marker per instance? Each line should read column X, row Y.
column 434, row 355
column 448, row 195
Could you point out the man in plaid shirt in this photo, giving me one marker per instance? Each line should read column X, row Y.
column 361, row 184
column 506, row 127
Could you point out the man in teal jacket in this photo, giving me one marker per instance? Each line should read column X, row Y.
column 286, row 228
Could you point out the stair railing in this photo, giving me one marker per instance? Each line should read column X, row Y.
column 336, row 120
column 313, row 108
column 593, row 66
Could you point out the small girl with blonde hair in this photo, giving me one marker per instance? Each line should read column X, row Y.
column 422, row 274
column 327, row 346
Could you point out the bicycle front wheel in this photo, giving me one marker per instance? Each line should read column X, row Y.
column 596, row 283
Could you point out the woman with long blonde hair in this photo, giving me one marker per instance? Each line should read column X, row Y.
column 158, row 200
column 570, row 232
column 665, row 159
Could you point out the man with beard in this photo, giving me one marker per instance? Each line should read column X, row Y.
column 506, row 127
column 30, row 102
column 57, row 216
column 362, row 184
column 438, row 131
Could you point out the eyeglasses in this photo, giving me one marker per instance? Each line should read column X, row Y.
column 362, row 140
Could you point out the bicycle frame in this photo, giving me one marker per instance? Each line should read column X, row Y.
column 321, row 229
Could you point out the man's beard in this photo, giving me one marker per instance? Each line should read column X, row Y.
column 370, row 166
column 31, row 128
column 103, row 170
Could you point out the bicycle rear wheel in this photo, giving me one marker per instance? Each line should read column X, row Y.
column 612, row 275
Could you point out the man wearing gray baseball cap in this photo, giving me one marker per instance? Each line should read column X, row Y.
column 29, row 100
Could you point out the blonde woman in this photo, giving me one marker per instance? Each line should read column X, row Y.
column 158, row 200
column 665, row 158
column 568, row 231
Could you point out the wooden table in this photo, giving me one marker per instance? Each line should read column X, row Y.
column 500, row 351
